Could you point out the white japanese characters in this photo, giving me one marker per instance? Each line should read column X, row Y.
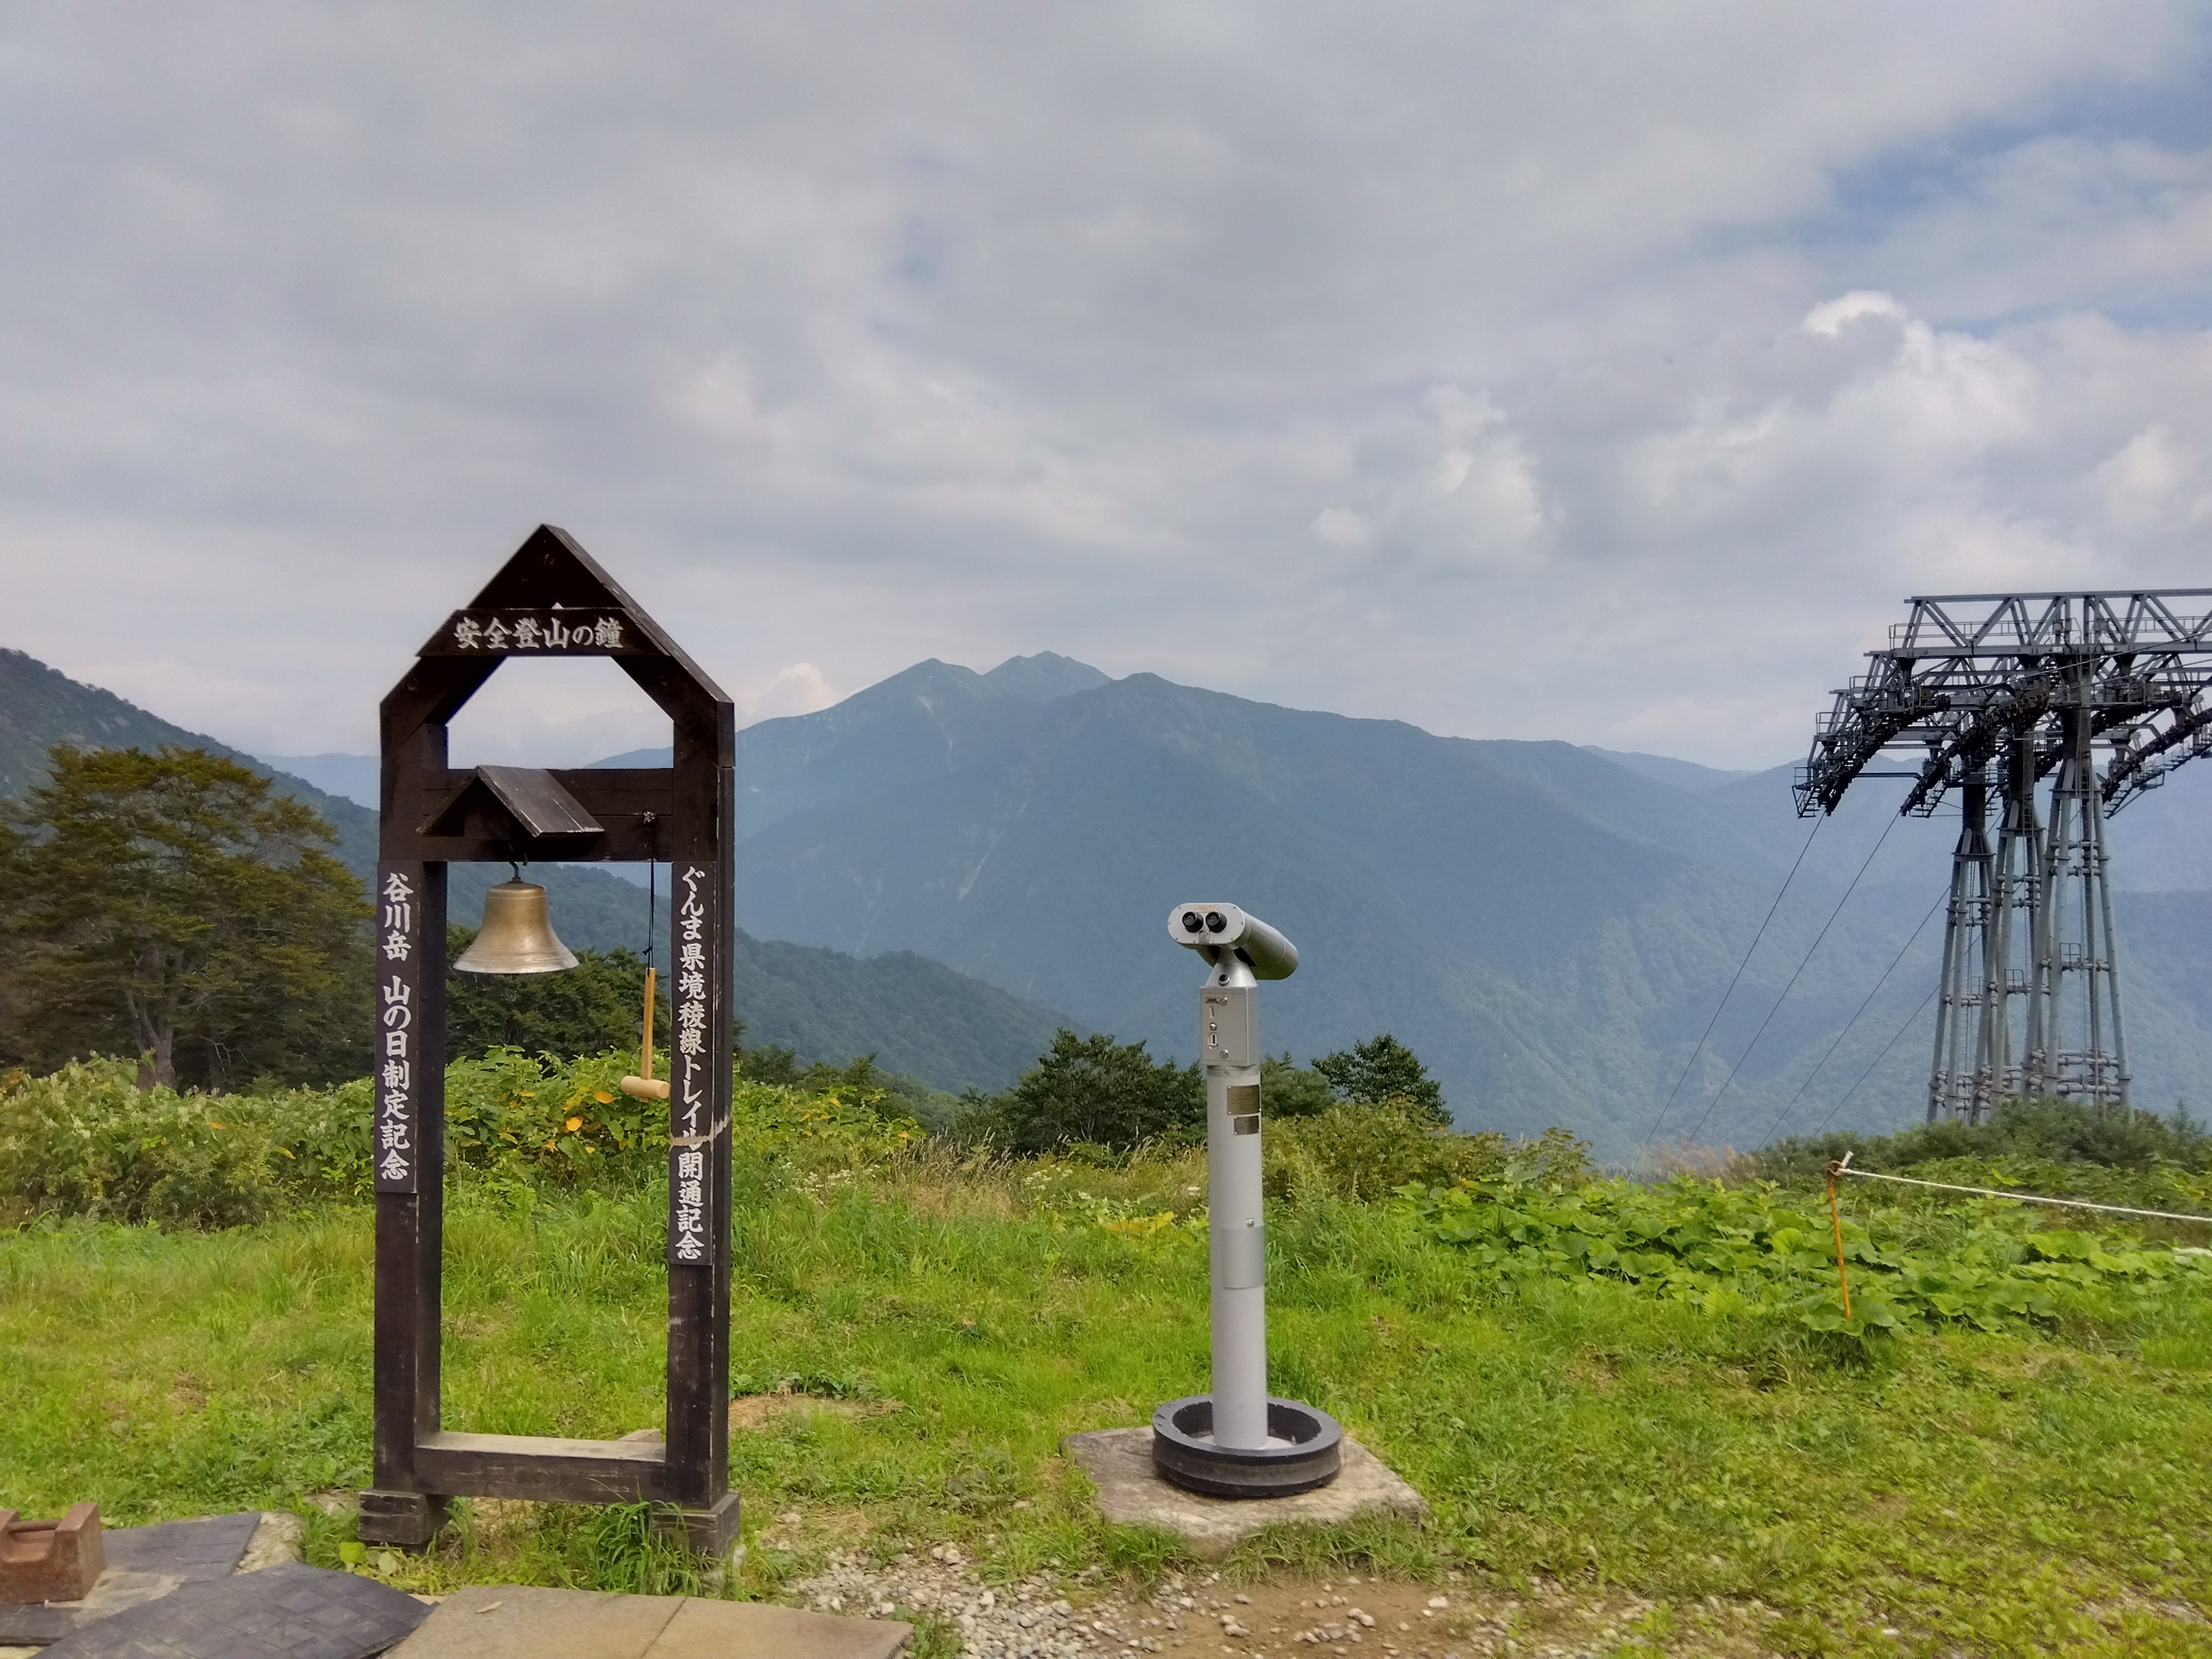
column 687, row 1223
column 544, row 630
column 393, row 1147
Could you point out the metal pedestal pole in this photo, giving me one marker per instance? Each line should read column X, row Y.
column 1239, row 1442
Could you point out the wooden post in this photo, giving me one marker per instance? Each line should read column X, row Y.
column 551, row 599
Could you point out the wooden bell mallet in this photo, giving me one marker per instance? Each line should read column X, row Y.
column 646, row 1087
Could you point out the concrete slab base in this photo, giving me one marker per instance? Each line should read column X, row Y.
column 513, row 1621
column 1131, row 1493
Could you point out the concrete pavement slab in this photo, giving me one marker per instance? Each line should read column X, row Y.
column 515, row 1621
column 523, row 1621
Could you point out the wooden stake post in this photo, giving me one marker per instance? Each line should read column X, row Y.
column 550, row 600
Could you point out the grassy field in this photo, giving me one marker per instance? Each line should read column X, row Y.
column 2044, row 1490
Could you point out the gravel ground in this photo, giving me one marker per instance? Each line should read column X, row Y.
column 1048, row 1616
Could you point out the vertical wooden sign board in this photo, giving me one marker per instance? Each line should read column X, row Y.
column 550, row 600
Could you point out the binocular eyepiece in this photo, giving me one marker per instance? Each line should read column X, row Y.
column 1218, row 930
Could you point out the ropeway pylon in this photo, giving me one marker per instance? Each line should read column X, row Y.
column 1993, row 693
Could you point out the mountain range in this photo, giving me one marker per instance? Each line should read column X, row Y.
column 1551, row 928
column 916, row 1016
column 1561, row 933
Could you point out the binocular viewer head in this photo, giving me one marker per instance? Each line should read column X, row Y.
column 1215, row 931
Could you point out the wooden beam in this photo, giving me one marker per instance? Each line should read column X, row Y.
column 545, row 1467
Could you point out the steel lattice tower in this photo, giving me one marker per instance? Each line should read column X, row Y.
column 1990, row 693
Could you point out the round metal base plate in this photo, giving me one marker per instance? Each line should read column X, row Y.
column 1311, row 1443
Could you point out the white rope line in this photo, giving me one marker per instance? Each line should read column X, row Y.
column 2023, row 1198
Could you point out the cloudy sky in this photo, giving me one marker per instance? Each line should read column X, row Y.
column 1599, row 371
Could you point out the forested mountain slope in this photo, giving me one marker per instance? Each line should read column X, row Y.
column 1549, row 928
column 918, row 1016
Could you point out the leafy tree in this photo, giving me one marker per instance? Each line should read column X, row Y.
column 772, row 1063
column 170, row 905
column 592, row 1007
column 1287, row 1089
column 1381, row 1069
column 1093, row 1089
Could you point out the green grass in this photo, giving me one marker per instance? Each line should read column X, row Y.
column 2036, row 1491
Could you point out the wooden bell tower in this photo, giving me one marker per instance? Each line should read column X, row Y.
column 550, row 600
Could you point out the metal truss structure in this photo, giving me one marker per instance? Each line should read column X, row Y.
column 1985, row 695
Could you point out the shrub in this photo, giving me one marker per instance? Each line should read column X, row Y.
column 85, row 1140
column 2053, row 1130
column 1091, row 1089
column 1365, row 1152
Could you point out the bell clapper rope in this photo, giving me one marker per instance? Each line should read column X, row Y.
column 647, row 1087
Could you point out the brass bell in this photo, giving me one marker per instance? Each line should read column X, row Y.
column 517, row 936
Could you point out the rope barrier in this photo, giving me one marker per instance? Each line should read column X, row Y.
column 1843, row 1168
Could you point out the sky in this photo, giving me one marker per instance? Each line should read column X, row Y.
column 1607, row 371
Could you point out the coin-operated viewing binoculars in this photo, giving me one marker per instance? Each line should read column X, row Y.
column 1238, row 1442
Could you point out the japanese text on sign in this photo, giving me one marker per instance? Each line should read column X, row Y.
column 475, row 633
column 393, row 1148
column 687, row 1223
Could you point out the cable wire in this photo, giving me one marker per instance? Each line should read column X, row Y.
column 1855, row 1019
column 1878, row 1059
column 1801, row 963
column 1730, row 991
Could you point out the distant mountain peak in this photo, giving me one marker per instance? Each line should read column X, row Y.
column 1045, row 675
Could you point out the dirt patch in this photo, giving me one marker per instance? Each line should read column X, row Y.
column 754, row 1410
column 492, row 1519
column 833, row 1529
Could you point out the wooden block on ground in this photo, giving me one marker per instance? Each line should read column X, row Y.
column 1131, row 1493
column 515, row 1621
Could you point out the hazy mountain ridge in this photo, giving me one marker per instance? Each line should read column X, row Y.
column 1549, row 926
column 920, row 1017
column 40, row 706
column 1549, row 929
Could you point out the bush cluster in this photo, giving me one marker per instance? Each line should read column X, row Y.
column 1756, row 1248
column 85, row 1140
column 1364, row 1153
column 2043, row 1130
column 2055, row 1148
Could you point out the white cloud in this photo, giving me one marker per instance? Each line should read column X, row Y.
column 799, row 689
column 1515, row 370
column 1830, row 317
